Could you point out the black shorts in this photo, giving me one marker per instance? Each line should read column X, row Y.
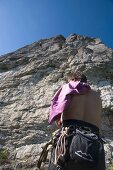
column 84, row 148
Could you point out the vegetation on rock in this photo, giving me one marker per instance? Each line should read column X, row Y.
column 4, row 154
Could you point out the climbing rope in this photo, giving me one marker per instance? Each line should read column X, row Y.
column 46, row 148
column 60, row 149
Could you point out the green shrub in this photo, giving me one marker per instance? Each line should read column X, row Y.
column 4, row 153
column 110, row 167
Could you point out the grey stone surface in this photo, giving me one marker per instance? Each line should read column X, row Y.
column 28, row 79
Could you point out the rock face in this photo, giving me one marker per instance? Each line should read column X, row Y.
column 28, row 79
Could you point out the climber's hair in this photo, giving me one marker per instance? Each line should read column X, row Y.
column 76, row 75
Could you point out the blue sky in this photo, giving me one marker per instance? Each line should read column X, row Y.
column 23, row 22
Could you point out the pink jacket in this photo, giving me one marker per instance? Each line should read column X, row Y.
column 61, row 99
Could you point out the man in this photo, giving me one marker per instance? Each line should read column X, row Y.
column 76, row 109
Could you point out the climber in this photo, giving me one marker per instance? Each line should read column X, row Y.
column 76, row 109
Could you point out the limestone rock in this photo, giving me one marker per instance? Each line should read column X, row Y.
column 28, row 79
